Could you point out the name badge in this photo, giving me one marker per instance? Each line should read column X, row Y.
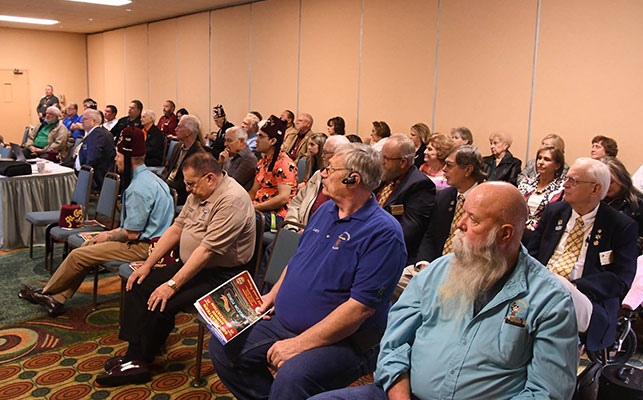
column 397, row 209
column 606, row 257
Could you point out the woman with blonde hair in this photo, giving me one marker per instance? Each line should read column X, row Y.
column 501, row 164
column 314, row 156
column 438, row 147
column 420, row 133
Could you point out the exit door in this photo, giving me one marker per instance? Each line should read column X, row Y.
column 15, row 106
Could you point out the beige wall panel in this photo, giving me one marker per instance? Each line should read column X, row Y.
column 66, row 70
column 274, row 56
column 162, row 67
column 136, row 71
column 96, row 68
column 485, row 69
column 114, row 42
column 193, row 71
column 588, row 78
column 398, row 64
column 230, row 63
column 329, row 60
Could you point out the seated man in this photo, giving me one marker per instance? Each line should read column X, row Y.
column 51, row 135
column 331, row 301
column 276, row 179
column 168, row 121
column 250, row 124
column 488, row 322
column 154, row 140
column 133, row 118
column 110, row 117
column 591, row 245
column 73, row 121
column 216, row 141
column 147, row 212
column 405, row 192
column 296, row 143
column 237, row 159
column 216, row 233
column 96, row 149
column 187, row 131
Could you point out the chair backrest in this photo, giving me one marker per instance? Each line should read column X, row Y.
column 255, row 261
column 175, row 198
column 83, row 186
column 106, row 205
column 28, row 129
column 5, row 152
column 301, row 169
column 170, row 149
column 285, row 246
column 166, row 145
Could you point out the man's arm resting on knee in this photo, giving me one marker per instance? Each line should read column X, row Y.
column 116, row 235
column 401, row 389
column 338, row 325
column 168, row 241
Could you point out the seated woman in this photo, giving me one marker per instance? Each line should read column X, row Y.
column 51, row 135
column 603, row 146
column 623, row 196
column 379, row 135
column 420, row 135
column 547, row 186
column 501, row 164
column 530, row 166
column 336, row 126
column 437, row 149
column 313, row 157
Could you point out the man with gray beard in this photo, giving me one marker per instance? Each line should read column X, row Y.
column 486, row 322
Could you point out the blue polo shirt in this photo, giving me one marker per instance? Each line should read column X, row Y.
column 148, row 206
column 68, row 121
column 360, row 257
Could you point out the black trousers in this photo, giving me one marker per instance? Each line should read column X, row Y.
column 146, row 331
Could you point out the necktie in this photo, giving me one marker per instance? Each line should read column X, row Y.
column 385, row 193
column 564, row 264
column 459, row 210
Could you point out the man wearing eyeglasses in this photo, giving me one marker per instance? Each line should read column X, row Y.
column 590, row 245
column 405, row 192
column 237, row 160
column 216, row 233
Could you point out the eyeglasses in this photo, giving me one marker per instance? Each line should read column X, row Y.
column 327, row 153
column 387, row 159
column 329, row 170
column 573, row 181
column 190, row 186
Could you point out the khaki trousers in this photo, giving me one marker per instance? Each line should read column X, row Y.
column 71, row 273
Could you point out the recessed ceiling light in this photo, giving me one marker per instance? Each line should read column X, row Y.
column 91, row 19
column 115, row 3
column 27, row 20
column 128, row 9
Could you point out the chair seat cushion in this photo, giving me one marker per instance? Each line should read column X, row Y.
column 43, row 217
column 115, row 265
column 75, row 241
column 124, row 271
column 61, row 234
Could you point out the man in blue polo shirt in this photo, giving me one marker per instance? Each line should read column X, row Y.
column 148, row 210
column 330, row 304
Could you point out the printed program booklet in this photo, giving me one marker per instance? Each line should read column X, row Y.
column 88, row 235
column 230, row 309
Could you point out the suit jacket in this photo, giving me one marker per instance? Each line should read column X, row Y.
column 506, row 170
column 178, row 183
column 97, row 150
column 439, row 228
column 154, row 147
column 124, row 123
column 605, row 284
column 412, row 204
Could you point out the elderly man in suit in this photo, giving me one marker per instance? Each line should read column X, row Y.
column 591, row 245
column 97, row 148
column 405, row 192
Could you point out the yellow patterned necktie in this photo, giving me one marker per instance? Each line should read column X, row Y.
column 385, row 193
column 564, row 264
column 459, row 210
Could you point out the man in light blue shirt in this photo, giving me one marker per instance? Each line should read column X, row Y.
column 148, row 210
column 487, row 322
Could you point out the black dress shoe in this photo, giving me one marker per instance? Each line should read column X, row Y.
column 27, row 294
column 113, row 361
column 128, row 373
column 53, row 307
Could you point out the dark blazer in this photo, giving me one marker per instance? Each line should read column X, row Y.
column 419, row 156
column 98, row 151
column 605, row 285
column 178, row 183
column 507, row 169
column 411, row 204
column 124, row 123
column 154, row 147
column 218, row 144
column 438, row 229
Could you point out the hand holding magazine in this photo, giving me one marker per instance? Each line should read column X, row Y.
column 231, row 308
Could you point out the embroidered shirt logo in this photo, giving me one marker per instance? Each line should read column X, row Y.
column 344, row 237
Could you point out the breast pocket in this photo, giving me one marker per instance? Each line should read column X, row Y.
column 514, row 345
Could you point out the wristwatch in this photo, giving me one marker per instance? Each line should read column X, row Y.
column 172, row 284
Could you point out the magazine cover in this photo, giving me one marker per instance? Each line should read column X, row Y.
column 86, row 236
column 230, row 308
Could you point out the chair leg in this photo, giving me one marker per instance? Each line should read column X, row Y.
column 31, row 243
column 199, row 356
column 122, row 305
column 95, row 291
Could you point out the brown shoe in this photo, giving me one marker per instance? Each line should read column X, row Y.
column 53, row 307
column 113, row 361
column 27, row 294
column 129, row 373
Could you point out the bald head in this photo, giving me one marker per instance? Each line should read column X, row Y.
column 330, row 147
column 504, row 202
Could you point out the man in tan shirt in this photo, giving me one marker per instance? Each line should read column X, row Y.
column 215, row 233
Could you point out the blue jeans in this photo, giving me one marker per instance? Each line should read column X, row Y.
column 365, row 392
column 243, row 369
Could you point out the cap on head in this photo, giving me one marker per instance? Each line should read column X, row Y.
column 218, row 111
column 274, row 128
column 132, row 142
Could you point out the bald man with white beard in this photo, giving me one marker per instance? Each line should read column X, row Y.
column 486, row 322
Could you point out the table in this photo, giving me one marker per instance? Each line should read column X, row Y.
column 20, row 195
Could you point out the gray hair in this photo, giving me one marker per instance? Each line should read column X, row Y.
column 192, row 124
column 254, row 118
column 596, row 171
column 470, row 155
column 56, row 111
column 405, row 147
column 365, row 161
column 150, row 113
column 94, row 115
column 239, row 132
column 334, row 142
